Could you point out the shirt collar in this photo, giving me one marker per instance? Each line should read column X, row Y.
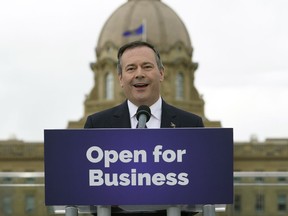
column 155, row 109
column 132, row 109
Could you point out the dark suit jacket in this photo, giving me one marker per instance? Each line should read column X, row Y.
column 118, row 117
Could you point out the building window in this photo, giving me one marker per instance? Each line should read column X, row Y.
column 179, row 82
column 30, row 204
column 7, row 180
column 282, row 179
column 30, row 180
column 237, row 179
column 259, row 205
column 237, row 203
column 282, row 202
column 7, row 205
column 109, row 87
column 259, row 179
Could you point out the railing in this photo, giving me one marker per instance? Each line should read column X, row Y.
column 255, row 193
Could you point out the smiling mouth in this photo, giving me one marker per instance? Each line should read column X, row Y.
column 140, row 85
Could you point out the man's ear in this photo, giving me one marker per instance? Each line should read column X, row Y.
column 120, row 80
column 162, row 72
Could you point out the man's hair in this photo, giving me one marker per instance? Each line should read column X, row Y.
column 135, row 44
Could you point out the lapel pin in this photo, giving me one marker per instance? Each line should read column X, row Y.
column 172, row 125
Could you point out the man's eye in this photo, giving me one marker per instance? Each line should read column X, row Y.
column 130, row 69
column 147, row 67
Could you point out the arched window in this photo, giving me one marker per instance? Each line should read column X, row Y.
column 179, row 86
column 109, row 86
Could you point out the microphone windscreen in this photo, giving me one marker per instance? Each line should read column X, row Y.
column 143, row 109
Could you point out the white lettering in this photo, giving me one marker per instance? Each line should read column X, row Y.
column 124, row 179
column 90, row 152
column 111, row 180
column 110, row 157
column 168, row 155
column 183, row 179
column 125, row 156
column 157, row 152
column 95, row 155
column 180, row 153
column 98, row 178
column 95, row 178
column 158, row 179
column 171, row 179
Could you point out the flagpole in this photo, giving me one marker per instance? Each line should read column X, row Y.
column 144, row 35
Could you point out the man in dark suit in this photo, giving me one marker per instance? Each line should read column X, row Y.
column 140, row 73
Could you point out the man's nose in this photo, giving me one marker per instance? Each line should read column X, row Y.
column 139, row 73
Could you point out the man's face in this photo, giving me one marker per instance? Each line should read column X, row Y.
column 140, row 77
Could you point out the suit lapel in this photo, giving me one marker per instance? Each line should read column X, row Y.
column 121, row 117
column 168, row 117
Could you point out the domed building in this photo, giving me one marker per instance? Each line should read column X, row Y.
column 154, row 22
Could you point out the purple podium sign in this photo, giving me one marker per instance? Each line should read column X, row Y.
column 139, row 166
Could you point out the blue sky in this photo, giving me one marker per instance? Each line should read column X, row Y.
column 241, row 47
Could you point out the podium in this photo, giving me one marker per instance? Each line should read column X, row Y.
column 139, row 169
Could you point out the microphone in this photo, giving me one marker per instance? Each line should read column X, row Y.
column 143, row 115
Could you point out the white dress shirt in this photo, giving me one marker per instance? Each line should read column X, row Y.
column 155, row 119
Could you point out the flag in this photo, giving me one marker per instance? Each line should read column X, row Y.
column 137, row 31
